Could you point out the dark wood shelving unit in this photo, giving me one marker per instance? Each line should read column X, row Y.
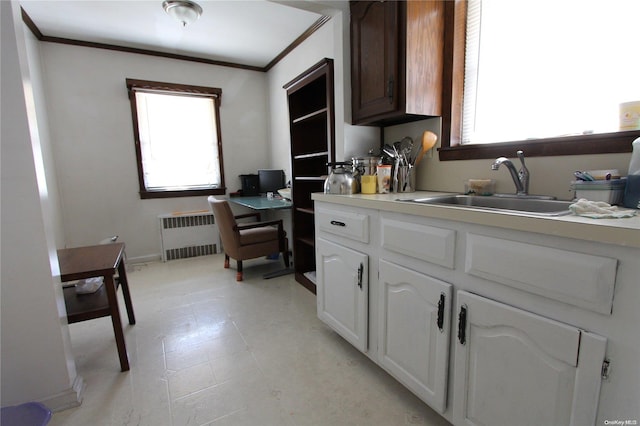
column 311, row 121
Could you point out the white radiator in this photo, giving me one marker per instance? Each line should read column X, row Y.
column 188, row 235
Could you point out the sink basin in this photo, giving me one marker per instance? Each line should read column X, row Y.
column 536, row 206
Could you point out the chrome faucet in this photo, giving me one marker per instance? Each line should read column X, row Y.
column 521, row 178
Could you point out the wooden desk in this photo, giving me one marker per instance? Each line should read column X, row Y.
column 95, row 261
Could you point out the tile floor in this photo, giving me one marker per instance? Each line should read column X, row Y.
column 209, row 351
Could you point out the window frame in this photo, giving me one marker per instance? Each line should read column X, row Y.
column 453, row 82
column 215, row 94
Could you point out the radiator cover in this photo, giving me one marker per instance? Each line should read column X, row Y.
column 188, row 235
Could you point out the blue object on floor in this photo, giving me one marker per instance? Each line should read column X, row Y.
column 27, row 414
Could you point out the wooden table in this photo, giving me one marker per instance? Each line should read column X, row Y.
column 94, row 261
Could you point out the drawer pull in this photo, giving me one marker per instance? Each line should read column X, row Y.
column 337, row 223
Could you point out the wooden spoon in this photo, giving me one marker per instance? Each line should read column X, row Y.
column 429, row 139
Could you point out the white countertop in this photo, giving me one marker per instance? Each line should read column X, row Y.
column 622, row 232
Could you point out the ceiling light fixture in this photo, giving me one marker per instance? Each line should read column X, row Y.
column 185, row 11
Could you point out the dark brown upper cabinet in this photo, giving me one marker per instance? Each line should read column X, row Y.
column 396, row 61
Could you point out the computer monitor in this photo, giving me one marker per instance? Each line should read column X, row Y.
column 270, row 180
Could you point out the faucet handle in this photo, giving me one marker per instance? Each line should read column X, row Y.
column 523, row 174
column 520, row 155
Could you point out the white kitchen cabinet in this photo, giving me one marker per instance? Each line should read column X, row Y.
column 343, row 291
column 577, row 279
column 413, row 340
column 515, row 367
column 536, row 304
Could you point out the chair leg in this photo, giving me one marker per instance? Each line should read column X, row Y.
column 239, row 273
column 226, row 261
column 285, row 257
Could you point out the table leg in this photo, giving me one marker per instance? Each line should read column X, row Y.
column 115, row 320
column 122, row 273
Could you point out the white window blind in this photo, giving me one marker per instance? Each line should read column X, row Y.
column 540, row 69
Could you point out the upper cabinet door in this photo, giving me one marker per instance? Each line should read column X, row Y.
column 515, row 367
column 413, row 341
column 343, row 291
column 375, row 32
column 396, row 60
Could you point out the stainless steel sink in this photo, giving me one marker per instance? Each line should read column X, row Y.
column 530, row 205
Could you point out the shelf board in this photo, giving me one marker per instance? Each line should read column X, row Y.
column 306, row 282
column 311, row 155
column 305, row 210
column 311, row 276
column 311, row 178
column 310, row 116
column 306, row 240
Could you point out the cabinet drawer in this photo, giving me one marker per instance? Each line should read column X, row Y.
column 578, row 279
column 354, row 226
column 428, row 243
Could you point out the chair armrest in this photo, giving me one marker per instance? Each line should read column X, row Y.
column 245, row 215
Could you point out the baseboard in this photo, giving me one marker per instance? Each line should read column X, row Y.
column 67, row 399
column 145, row 259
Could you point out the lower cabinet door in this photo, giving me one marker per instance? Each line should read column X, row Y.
column 513, row 367
column 415, row 311
column 343, row 291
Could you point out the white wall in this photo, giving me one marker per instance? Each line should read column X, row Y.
column 93, row 148
column 328, row 42
column 549, row 175
column 37, row 363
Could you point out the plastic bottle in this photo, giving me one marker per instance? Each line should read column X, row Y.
column 632, row 190
column 634, row 164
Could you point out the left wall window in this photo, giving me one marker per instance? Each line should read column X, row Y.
column 178, row 139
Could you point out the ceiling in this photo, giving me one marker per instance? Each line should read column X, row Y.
column 247, row 32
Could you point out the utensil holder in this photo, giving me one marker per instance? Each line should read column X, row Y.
column 406, row 179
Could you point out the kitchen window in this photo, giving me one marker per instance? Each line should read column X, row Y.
column 510, row 90
column 177, row 138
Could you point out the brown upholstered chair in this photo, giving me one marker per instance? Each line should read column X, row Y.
column 242, row 241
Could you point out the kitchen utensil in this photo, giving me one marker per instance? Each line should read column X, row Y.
column 388, row 151
column 396, row 150
column 341, row 180
column 429, row 139
column 406, row 145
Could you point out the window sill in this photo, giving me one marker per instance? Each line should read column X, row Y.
column 145, row 195
column 602, row 143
